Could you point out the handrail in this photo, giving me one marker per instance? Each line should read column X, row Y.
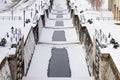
column 105, row 18
column 10, row 18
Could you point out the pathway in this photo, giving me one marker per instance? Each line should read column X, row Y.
column 59, row 54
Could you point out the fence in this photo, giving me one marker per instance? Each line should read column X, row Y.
column 105, row 18
column 97, row 10
column 10, row 18
column 29, row 48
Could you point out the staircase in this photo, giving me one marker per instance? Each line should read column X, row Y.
column 58, row 54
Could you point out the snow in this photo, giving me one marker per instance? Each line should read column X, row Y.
column 78, row 65
column 59, row 12
column 65, row 16
column 40, row 24
column 2, row 56
column 38, row 78
column 42, row 52
column 29, row 49
column 7, row 4
column 23, row 4
column 5, row 51
column 51, row 23
column 104, row 4
column 42, row 56
column 17, row 22
column 39, row 65
column 7, row 28
column 107, row 26
column 7, row 22
column 46, row 36
column 59, row 6
column 62, row 11
column 81, row 5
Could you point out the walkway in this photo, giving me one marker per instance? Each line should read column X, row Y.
column 59, row 54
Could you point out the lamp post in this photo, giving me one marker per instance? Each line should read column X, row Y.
column 76, row 8
column 31, row 14
column 12, row 13
column 36, row 11
column 41, row 6
column 35, row 7
column 24, row 17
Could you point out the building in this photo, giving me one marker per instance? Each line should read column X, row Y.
column 114, row 6
column 96, row 4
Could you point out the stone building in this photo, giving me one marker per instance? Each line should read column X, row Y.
column 114, row 6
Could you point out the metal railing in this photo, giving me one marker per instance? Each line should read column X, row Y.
column 105, row 18
column 10, row 18
column 97, row 10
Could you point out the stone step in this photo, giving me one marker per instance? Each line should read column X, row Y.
column 38, row 78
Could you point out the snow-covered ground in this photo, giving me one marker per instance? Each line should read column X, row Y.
column 59, row 6
column 29, row 48
column 51, row 23
column 12, row 15
column 43, row 51
column 65, row 16
column 47, row 37
column 40, row 61
column 15, row 18
column 37, row 78
column 5, row 51
column 6, row 5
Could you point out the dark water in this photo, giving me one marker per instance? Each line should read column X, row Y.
column 59, row 63
column 59, row 36
column 59, row 16
column 59, row 23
